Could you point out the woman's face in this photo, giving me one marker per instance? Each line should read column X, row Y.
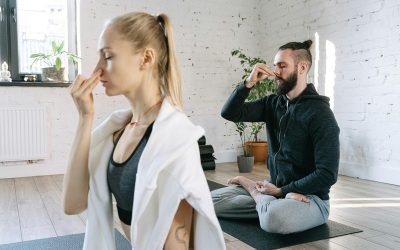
column 120, row 65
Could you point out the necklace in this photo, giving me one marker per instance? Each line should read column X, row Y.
column 139, row 123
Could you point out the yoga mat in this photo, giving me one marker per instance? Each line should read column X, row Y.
column 249, row 231
column 67, row 242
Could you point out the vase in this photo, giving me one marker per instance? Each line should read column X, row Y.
column 245, row 163
column 259, row 150
column 51, row 74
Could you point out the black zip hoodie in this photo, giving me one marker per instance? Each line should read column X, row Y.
column 303, row 138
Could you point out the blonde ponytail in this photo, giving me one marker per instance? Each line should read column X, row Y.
column 172, row 76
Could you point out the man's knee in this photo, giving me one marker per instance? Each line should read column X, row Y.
column 220, row 198
column 271, row 221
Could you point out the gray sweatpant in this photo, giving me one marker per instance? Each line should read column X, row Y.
column 282, row 216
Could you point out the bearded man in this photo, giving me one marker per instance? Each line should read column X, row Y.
column 303, row 144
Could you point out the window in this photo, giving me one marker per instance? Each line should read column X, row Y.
column 28, row 27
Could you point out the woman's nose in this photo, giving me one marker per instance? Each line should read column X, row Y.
column 99, row 66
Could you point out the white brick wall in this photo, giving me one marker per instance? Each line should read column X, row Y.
column 366, row 40
column 205, row 32
column 363, row 71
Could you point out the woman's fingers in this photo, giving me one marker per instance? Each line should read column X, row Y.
column 81, row 92
column 81, row 84
column 92, row 82
column 79, row 80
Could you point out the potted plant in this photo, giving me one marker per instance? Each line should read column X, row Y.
column 257, row 146
column 54, row 61
column 245, row 161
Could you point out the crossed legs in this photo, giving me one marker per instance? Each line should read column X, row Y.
column 282, row 216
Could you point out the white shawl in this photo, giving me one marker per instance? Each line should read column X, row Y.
column 169, row 170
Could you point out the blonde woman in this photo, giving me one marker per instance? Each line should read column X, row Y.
column 147, row 157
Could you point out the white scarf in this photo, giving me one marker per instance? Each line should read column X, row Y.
column 169, row 170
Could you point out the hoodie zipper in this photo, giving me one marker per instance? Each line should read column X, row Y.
column 279, row 134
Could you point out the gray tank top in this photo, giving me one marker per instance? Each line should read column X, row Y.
column 121, row 178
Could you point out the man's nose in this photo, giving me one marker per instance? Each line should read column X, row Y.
column 277, row 71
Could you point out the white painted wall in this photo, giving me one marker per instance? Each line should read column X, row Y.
column 358, row 67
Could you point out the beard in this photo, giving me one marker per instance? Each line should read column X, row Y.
column 286, row 85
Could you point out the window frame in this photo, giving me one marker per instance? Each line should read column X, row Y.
column 9, row 43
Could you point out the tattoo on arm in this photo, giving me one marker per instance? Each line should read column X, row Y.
column 181, row 239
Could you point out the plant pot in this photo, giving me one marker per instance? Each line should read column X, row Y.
column 245, row 163
column 259, row 150
column 51, row 74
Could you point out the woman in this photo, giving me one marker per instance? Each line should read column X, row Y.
column 147, row 156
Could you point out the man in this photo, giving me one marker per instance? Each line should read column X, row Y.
column 303, row 139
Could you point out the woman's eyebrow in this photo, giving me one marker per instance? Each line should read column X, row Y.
column 104, row 48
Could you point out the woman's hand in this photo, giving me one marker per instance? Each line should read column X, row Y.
column 81, row 92
column 260, row 72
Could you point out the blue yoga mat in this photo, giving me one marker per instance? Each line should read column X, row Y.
column 67, row 242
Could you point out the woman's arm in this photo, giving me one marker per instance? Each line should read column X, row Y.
column 180, row 234
column 76, row 178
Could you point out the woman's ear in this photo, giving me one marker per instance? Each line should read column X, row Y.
column 148, row 58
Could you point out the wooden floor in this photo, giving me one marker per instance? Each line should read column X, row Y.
column 30, row 208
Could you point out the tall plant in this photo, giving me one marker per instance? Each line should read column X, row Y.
column 261, row 89
column 241, row 129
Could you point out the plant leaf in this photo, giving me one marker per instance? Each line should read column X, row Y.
column 60, row 47
column 54, row 47
column 58, row 63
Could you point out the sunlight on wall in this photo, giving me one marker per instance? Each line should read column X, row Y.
column 316, row 59
column 330, row 72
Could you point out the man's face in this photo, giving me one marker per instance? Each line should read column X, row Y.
column 285, row 71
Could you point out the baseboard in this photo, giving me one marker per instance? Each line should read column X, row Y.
column 28, row 170
column 380, row 174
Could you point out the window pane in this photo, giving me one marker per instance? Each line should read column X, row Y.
column 3, row 33
column 39, row 23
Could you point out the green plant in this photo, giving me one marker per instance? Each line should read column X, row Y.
column 261, row 89
column 54, row 58
column 241, row 129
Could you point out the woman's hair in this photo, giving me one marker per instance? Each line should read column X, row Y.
column 302, row 50
column 144, row 30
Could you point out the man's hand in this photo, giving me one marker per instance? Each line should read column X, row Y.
column 297, row 197
column 260, row 72
column 268, row 189
column 235, row 180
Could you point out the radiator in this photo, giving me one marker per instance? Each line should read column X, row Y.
column 23, row 133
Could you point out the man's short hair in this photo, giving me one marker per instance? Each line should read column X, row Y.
column 301, row 50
